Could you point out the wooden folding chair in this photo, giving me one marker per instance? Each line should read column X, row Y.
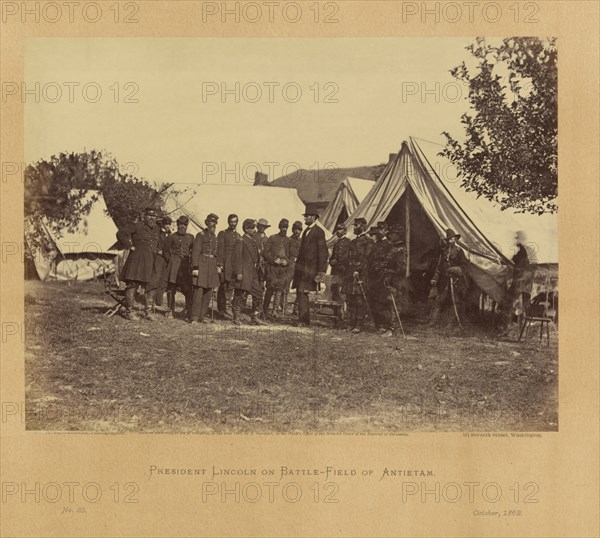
column 324, row 307
column 537, row 312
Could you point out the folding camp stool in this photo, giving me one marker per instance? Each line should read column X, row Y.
column 113, row 289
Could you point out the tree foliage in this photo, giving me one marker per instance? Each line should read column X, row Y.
column 56, row 196
column 510, row 152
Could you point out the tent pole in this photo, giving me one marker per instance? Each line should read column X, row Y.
column 407, row 229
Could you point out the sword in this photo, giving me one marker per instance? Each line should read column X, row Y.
column 454, row 304
column 284, row 300
column 362, row 290
column 397, row 314
column 212, row 305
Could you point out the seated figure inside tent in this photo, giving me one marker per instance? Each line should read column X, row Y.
column 450, row 281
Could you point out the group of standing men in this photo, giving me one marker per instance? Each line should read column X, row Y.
column 369, row 272
column 372, row 271
column 236, row 264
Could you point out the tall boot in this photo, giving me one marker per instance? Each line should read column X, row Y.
column 277, row 303
column 359, row 318
column 189, row 299
column 129, row 303
column 170, row 304
column 435, row 313
column 236, row 308
column 149, row 305
column 267, row 300
column 255, row 318
column 205, row 305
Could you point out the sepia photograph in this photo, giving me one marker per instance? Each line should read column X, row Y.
column 290, row 235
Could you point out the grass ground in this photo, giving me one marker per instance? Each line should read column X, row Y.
column 87, row 372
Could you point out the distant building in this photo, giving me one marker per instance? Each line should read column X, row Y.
column 316, row 188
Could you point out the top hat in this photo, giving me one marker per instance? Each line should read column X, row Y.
column 310, row 212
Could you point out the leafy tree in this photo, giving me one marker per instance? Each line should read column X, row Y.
column 56, row 197
column 510, row 153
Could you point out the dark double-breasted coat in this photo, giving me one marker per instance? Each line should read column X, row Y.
column 452, row 262
column 294, row 249
column 261, row 241
column 226, row 241
column 160, row 263
column 177, row 251
column 204, row 260
column 246, row 262
column 377, row 270
column 312, row 259
column 358, row 257
column 145, row 240
column 277, row 247
column 339, row 257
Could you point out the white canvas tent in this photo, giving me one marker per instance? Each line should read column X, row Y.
column 271, row 203
column 84, row 252
column 499, row 226
column 411, row 193
column 351, row 192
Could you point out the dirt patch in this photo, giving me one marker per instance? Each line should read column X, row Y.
column 87, row 372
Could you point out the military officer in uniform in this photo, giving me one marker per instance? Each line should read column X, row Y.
column 277, row 256
column 260, row 238
column 450, row 276
column 356, row 275
column 177, row 251
column 226, row 240
column 383, row 228
column 395, row 274
column 377, row 294
column 294, row 249
column 142, row 239
column 246, row 267
column 339, row 260
column 205, row 270
column 157, row 284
